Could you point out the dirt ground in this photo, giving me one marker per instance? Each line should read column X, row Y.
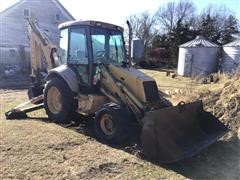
column 35, row 148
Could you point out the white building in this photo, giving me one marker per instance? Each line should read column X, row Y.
column 231, row 57
column 198, row 57
column 14, row 43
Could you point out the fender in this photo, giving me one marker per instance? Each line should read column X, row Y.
column 67, row 74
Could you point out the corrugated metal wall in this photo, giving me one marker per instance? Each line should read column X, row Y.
column 198, row 61
column 137, row 50
column 231, row 59
column 198, row 57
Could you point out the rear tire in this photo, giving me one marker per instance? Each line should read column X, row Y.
column 112, row 124
column 59, row 101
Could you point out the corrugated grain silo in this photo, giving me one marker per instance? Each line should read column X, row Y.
column 137, row 49
column 231, row 56
column 198, row 57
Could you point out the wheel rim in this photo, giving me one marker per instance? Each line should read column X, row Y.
column 107, row 124
column 54, row 100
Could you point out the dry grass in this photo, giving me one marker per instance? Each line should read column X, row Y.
column 166, row 82
column 37, row 149
column 178, row 84
column 223, row 100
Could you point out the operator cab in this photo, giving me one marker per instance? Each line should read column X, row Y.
column 85, row 44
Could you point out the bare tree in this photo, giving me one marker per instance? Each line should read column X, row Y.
column 166, row 16
column 143, row 27
column 171, row 13
column 217, row 12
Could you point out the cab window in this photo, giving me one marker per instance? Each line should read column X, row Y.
column 63, row 46
column 78, row 53
column 108, row 46
column 78, row 47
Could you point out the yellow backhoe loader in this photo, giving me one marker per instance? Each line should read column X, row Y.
column 91, row 75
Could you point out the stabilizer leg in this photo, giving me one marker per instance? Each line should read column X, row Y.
column 19, row 112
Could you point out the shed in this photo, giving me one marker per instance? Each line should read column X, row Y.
column 231, row 56
column 198, row 57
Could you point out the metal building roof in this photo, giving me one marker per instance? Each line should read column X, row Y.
column 199, row 41
column 235, row 43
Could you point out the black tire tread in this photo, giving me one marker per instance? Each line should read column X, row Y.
column 69, row 104
column 122, row 120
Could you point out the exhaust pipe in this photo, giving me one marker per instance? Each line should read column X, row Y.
column 129, row 42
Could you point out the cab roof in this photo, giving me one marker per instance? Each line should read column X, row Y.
column 89, row 23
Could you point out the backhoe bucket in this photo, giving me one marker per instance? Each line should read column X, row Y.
column 174, row 133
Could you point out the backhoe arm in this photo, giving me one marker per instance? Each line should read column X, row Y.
column 41, row 45
column 119, row 93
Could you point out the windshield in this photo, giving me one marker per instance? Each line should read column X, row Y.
column 108, row 46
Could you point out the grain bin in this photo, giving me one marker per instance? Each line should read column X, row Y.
column 231, row 56
column 198, row 57
column 137, row 50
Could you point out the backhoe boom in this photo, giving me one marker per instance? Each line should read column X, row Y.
column 40, row 45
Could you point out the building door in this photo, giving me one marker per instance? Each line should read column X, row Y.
column 188, row 65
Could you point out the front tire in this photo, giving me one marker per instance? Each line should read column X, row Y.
column 112, row 124
column 59, row 101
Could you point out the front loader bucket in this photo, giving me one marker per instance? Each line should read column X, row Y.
column 174, row 133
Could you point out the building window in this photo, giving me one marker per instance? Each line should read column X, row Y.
column 57, row 17
column 13, row 52
column 26, row 13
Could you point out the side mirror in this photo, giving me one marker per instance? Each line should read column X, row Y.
column 137, row 53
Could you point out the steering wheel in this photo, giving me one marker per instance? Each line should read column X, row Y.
column 100, row 54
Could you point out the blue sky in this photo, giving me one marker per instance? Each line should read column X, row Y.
column 116, row 11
